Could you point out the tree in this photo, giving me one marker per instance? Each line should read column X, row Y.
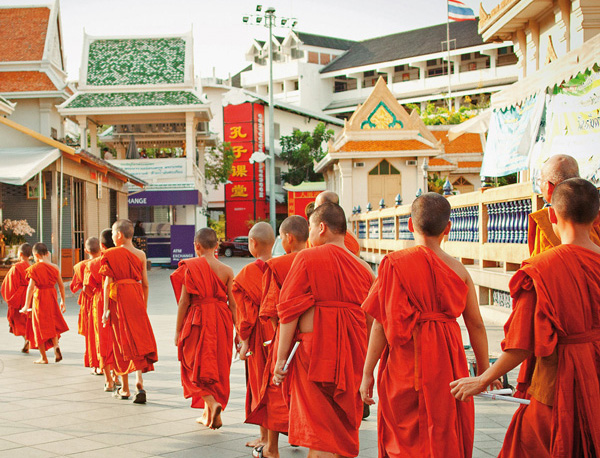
column 218, row 161
column 434, row 115
column 301, row 150
column 435, row 183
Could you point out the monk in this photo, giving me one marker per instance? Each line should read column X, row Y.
column 90, row 359
column 47, row 321
column 418, row 294
column 271, row 411
column 93, row 286
column 204, row 331
column 320, row 308
column 247, row 291
column 126, row 310
column 541, row 235
column 350, row 239
column 555, row 325
column 14, row 289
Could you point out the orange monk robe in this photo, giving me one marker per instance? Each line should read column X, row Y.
column 556, row 315
column 350, row 241
column 14, row 290
column 271, row 411
column 247, row 291
column 134, row 346
column 206, row 339
column 326, row 372
column 101, row 343
column 541, row 236
column 417, row 299
column 82, row 300
column 47, row 321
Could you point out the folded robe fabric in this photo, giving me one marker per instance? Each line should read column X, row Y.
column 85, row 323
column 205, row 343
column 14, row 290
column 417, row 299
column 325, row 375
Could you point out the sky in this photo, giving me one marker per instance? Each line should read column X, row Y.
column 221, row 39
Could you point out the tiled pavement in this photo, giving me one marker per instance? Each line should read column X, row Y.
column 60, row 409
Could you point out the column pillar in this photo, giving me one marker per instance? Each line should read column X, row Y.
column 346, row 187
column 190, row 143
column 82, row 121
column 93, row 129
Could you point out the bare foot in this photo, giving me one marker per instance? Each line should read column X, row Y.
column 41, row 361
column 25, row 348
column 203, row 420
column 215, row 418
column 256, row 443
column 57, row 355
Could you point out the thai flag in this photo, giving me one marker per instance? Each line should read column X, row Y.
column 458, row 11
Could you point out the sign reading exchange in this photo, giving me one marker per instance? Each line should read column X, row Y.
column 152, row 198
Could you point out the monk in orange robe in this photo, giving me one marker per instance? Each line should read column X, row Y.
column 125, row 307
column 204, row 330
column 350, row 240
column 272, row 412
column 93, row 286
column 541, row 234
column 415, row 301
column 14, row 288
column 320, row 308
column 85, row 301
column 247, row 291
column 555, row 325
column 47, row 321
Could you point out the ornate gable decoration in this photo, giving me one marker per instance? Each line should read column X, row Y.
column 381, row 118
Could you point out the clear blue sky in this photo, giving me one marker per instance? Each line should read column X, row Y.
column 220, row 37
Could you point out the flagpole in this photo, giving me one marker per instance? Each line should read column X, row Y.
column 448, row 46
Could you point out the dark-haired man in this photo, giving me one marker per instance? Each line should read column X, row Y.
column 555, row 325
column 126, row 309
column 204, row 330
column 321, row 298
column 417, row 297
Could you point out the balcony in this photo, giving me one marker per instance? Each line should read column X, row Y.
column 259, row 75
column 488, row 235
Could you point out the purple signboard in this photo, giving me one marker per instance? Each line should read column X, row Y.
column 151, row 198
column 182, row 243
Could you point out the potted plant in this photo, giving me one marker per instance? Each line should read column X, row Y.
column 13, row 233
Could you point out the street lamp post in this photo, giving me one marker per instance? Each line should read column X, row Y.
column 269, row 17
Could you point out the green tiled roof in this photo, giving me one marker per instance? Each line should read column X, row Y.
column 134, row 99
column 138, row 61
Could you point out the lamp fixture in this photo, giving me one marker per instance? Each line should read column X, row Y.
column 258, row 8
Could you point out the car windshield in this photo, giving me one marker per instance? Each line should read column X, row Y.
column 277, row 248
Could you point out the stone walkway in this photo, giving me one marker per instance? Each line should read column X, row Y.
column 61, row 410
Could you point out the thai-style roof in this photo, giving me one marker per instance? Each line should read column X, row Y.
column 321, row 41
column 133, row 99
column 28, row 81
column 23, row 33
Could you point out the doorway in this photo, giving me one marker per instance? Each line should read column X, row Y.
column 384, row 181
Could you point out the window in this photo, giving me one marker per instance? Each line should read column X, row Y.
column 504, row 51
column 296, row 85
column 325, row 59
column 313, row 57
column 384, row 168
column 461, row 181
column 340, row 86
column 277, row 175
column 465, row 57
column 369, row 73
column 432, row 62
column 399, row 68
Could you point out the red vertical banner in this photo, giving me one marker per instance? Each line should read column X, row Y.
column 298, row 201
column 245, row 195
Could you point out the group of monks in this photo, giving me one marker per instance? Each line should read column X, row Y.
column 313, row 324
column 113, row 303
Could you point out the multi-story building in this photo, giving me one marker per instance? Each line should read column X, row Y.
column 334, row 76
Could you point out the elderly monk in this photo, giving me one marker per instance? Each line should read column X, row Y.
column 541, row 235
column 350, row 239
column 93, row 286
column 47, row 321
column 204, row 329
column 415, row 301
column 14, row 288
column 555, row 324
column 85, row 301
column 126, row 309
column 247, row 291
column 320, row 307
column 271, row 411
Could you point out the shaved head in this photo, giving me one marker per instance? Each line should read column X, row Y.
column 106, row 239
column 327, row 196
column 430, row 214
column 560, row 168
column 92, row 244
column 40, row 249
column 262, row 233
column 576, row 200
column 125, row 227
column 295, row 225
column 25, row 250
column 206, row 238
column 332, row 215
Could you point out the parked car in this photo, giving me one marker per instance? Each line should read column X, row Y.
column 236, row 246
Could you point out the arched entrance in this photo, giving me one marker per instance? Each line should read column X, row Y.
column 384, row 181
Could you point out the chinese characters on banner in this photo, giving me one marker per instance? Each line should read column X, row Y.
column 245, row 196
column 298, row 201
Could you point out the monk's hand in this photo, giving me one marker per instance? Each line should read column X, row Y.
column 105, row 316
column 23, row 310
column 176, row 338
column 496, row 385
column 243, row 350
column 279, row 374
column 366, row 389
column 463, row 389
column 63, row 309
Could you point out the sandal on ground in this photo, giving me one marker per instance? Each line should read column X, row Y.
column 109, row 389
column 140, row 397
column 257, row 452
column 119, row 395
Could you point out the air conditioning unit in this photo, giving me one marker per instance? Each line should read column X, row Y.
column 358, row 165
column 411, row 163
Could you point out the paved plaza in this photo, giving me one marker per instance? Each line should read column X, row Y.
column 61, row 410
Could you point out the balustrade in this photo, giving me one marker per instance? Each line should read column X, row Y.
column 501, row 298
column 388, row 230
column 465, row 224
column 362, row 230
column 374, row 229
column 403, row 232
column 507, row 221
